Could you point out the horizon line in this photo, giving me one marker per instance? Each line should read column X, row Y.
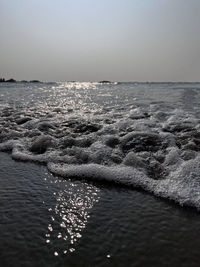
column 2, row 80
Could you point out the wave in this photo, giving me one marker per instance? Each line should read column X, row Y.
column 156, row 150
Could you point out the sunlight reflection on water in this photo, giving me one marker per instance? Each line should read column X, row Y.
column 70, row 214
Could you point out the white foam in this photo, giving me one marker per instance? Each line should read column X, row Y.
column 173, row 157
column 181, row 185
column 9, row 145
column 132, row 142
column 119, row 174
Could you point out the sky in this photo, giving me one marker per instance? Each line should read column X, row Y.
column 93, row 40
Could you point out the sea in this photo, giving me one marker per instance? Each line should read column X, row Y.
column 99, row 174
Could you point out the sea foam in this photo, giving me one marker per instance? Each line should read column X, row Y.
column 155, row 147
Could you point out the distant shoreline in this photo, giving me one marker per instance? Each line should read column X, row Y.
column 2, row 80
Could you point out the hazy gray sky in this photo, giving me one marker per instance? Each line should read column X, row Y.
column 88, row 40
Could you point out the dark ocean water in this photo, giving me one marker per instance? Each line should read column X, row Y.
column 108, row 225
column 105, row 140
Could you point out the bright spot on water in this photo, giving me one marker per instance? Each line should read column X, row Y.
column 69, row 216
column 59, row 235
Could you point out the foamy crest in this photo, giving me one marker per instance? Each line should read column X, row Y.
column 182, row 184
column 120, row 174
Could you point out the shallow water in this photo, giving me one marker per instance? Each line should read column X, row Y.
column 106, row 226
